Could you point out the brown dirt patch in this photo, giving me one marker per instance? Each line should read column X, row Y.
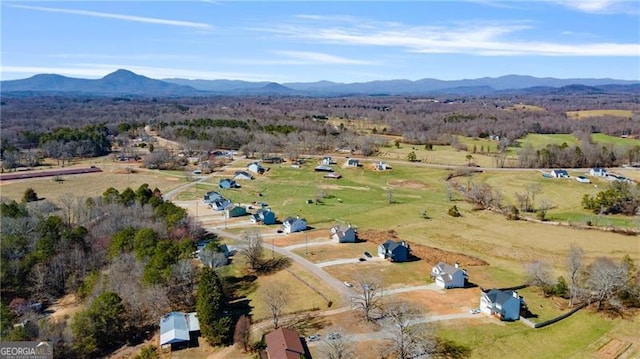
column 407, row 183
column 613, row 349
column 450, row 302
column 66, row 307
column 430, row 255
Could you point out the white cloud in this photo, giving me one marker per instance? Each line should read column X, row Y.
column 480, row 38
column 313, row 58
column 148, row 20
column 601, row 6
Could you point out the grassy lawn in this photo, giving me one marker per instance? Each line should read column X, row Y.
column 579, row 115
column 90, row 184
column 568, row 338
column 541, row 140
column 392, row 274
column 318, row 254
column 300, row 296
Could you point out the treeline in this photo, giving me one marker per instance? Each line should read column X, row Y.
column 587, row 154
column 126, row 254
column 300, row 125
column 62, row 144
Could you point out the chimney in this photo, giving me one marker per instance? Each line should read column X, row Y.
column 457, row 265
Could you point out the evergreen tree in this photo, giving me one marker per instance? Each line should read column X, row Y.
column 29, row 195
column 210, row 302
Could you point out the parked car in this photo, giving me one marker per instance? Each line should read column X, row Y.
column 313, row 338
column 348, row 284
column 333, row 336
column 367, row 254
column 362, row 259
column 475, row 311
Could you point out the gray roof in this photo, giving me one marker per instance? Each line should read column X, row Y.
column 175, row 327
column 501, row 296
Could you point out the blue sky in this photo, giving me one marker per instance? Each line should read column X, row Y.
column 341, row 41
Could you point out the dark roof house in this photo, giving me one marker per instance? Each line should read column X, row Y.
column 284, row 343
column 394, row 251
column 505, row 304
column 344, row 233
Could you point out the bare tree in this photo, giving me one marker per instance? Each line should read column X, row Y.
column 539, row 275
column 242, row 333
column 253, row 252
column 368, row 297
column 575, row 267
column 406, row 340
column 276, row 298
column 338, row 346
column 213, row 259
column 182, row 287
column 605, row 279
column 543, row 208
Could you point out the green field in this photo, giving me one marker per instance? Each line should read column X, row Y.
column 564, row 339
column 540, row 140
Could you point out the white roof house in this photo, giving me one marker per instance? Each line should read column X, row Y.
column 176, row 327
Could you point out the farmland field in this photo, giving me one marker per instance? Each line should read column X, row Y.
column 582, row 114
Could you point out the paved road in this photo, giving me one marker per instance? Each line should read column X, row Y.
column 348, row 261
column 302, row 245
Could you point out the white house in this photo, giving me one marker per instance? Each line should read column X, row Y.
column 327, row 160
column 242, row 175
column 559, row 174
column 294, row 224
column 598, row 171
column 344, row 233
column 255, row 167
column 447, row 276
column 380, row 166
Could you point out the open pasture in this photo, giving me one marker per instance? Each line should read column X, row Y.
column 92, row 184
column 542, row 140
column 582, row 114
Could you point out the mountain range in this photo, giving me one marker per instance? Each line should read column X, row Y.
column 127, row 83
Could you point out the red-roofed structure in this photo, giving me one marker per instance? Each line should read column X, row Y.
column 284, row 343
